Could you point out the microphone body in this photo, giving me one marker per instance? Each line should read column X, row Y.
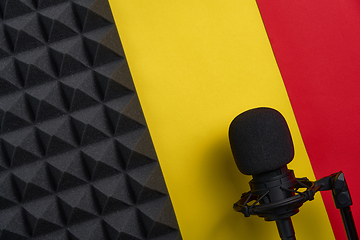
column 273, row 194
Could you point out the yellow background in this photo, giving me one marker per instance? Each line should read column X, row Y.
column 196, row 65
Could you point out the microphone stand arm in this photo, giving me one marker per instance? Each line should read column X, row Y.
column 337, row 184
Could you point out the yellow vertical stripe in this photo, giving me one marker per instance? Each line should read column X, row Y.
column 196, row 65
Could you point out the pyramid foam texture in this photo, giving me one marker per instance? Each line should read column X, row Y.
column 76, row 157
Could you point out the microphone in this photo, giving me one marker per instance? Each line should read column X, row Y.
column 262, row 146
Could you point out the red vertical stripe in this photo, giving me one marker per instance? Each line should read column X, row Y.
column 317, row 48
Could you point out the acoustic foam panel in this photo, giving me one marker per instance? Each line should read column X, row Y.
column 316, row 45
column 196, row 65
column 76, row 158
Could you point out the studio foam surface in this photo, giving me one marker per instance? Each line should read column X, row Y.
column 76, row 157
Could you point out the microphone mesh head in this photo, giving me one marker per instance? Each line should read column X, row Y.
column 260, row 141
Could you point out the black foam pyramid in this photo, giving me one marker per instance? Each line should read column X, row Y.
column 58, row 22
column 14, row 8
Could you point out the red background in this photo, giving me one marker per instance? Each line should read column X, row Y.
column 317, row 48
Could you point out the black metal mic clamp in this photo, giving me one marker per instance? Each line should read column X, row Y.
column 278, row 198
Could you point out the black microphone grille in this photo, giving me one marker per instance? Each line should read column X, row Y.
column 260, row 141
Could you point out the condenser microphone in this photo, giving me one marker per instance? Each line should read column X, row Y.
column 262, row 146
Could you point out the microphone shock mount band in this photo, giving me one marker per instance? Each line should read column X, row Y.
column 276, row 198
